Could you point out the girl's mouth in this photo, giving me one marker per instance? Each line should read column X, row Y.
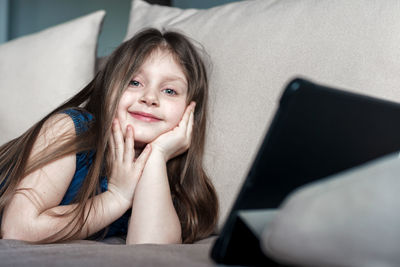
column 143, row 116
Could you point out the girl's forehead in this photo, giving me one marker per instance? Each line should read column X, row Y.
column 159, row 54
column 163, row 58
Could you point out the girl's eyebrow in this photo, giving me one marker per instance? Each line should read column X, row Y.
column 174, row 78
column 168, row 77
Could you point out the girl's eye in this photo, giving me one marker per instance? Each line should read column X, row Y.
column 134, row 83
column 170, row 91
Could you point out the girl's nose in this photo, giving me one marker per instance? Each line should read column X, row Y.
column 150, row 99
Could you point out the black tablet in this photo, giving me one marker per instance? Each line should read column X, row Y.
column 317, row 131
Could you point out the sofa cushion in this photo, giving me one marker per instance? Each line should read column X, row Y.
column 111, row 252
column 349, row 219
column 257, row 46
column 40, row 71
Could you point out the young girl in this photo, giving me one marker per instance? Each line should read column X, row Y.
column 121, row 157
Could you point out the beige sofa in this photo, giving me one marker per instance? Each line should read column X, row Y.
column 255, row 47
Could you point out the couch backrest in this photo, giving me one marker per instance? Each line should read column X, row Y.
column 257, row 46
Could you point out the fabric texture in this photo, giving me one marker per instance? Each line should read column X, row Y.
column 83, row 162
column 257, row 46
column 349, row 219
column 40, row 71
column 111, row 252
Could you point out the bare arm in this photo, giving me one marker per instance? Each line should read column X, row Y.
column 23, row 219
column 29, row 215
column 154, row 219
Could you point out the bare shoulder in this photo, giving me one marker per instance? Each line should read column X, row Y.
column 57, row 130
column 57, row 126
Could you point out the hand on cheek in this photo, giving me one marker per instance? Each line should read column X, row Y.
column 177, row 140
column 126, row 171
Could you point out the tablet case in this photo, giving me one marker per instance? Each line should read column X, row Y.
column 317, row 131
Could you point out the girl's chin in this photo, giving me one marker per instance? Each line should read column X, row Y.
column 142, row 138
column 142, row 142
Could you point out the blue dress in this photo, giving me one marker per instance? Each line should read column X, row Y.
column 83, row 162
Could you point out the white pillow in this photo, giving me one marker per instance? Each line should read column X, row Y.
column 257, row 46
column 349, row 219
column 40, row 71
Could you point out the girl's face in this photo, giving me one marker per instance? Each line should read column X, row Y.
column 155, row 99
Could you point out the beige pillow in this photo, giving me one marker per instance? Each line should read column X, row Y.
column 349, row 219
column 40, row 71
column 257, row 46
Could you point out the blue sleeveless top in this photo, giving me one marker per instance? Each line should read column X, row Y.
column 83, row 162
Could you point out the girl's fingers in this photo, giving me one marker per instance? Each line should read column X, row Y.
column 111, row 147
column 118, row 140
column 185, row 119
column 129, row 144
column 190, row 127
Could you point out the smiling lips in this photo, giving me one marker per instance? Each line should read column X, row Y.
column 146, row 117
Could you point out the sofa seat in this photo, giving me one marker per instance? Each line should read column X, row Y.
column 109, row 252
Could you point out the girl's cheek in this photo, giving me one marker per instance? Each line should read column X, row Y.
column 178, row 115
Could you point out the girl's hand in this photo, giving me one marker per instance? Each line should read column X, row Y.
column 177, row 140
column 126, row 172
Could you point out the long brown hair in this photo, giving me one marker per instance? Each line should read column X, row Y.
column 193, row 194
